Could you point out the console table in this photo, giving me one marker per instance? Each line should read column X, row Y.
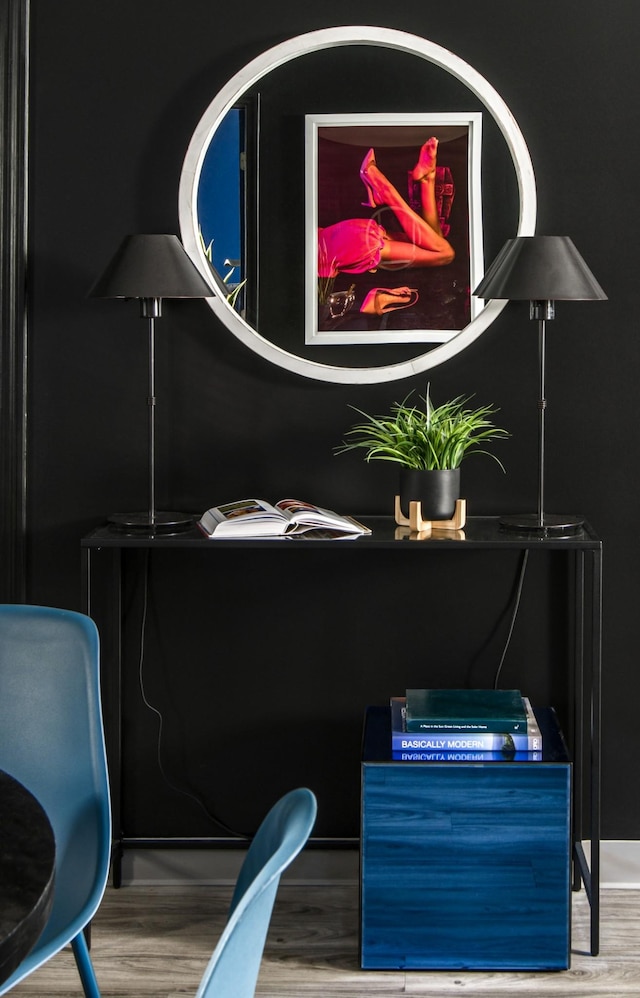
column 583, row 551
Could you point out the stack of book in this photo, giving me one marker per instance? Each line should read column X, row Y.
column 464, row 725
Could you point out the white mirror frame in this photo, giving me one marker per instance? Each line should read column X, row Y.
column 231, row 94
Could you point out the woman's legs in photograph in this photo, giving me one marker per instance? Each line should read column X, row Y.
column 422, row 243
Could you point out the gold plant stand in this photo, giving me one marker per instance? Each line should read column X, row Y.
column 416, row 523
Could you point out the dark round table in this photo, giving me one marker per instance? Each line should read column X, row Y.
column 27, row 870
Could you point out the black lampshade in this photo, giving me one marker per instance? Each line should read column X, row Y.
column 539, row 268
column 151, row 266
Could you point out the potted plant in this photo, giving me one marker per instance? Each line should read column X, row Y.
column 429, row 444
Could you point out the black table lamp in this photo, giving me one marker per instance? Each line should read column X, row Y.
column 540, row 270
column 150, row 268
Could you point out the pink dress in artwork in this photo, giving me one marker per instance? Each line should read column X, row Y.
column 352, row 246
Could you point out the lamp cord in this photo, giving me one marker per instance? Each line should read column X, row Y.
column 514, row 615
column 158, row 713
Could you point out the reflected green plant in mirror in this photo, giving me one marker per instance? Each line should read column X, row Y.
column 233, row 293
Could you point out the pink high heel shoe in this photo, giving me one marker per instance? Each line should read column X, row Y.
column 368, row 160
column 381, row 300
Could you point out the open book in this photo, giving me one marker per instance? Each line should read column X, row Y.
column 258, row 518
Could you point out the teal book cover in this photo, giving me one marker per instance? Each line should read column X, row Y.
column 465, row 710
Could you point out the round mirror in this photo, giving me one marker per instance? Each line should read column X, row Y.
column 323, row 117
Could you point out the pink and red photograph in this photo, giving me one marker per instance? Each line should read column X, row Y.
column 394, row 226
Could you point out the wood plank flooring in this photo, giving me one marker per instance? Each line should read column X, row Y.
column 157, row 940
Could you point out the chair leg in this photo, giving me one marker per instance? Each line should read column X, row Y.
column 85, row 966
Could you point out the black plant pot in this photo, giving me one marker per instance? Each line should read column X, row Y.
column 436, row 490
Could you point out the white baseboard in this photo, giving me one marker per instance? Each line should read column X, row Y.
column 173, row 867
column 619, row 866
column 619, row 863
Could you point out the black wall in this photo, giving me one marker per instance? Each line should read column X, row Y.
column 287, row 645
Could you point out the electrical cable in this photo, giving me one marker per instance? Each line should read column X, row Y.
column 514, row 615
column 154, row 710
column 507, row 610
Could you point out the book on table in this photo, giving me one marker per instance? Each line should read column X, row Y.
column 472, row 755
column 472, row 711
column 504, row 744
column 286, row 518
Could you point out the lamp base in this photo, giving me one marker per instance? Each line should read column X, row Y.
column 144, row 522
column 550, row 525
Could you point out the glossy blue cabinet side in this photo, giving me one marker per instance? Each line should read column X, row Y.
column 465, row 866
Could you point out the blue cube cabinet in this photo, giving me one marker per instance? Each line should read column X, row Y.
column 465, row 865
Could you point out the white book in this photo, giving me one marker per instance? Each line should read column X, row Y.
column 288, row 517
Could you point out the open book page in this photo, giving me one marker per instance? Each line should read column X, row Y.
column 244, row 518
column 306, row 516
column 259, row 518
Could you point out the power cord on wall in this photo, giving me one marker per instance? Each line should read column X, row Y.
column 510, row 610
column 515, row 605
column 158, row 713
column 514, row 615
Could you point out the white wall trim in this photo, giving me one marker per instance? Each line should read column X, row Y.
column 619, row 863
column 620, row 866
column 175, row 867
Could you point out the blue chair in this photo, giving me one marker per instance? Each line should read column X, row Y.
column 233, row 969
column 51, row 739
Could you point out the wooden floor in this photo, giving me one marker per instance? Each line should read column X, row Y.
column 157, row 940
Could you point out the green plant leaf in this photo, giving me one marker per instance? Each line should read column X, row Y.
column 428, row 438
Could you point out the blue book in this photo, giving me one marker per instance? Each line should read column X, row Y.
column 470, row 711
column 472, row 756
column 506, row 742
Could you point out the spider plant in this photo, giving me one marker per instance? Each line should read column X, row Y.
column 232, row 292
column 425, row 438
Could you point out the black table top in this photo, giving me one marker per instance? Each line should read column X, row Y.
column 479, row 532
column 27, row 870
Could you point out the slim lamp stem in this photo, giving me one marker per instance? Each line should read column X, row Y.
column 542, row 405
column 151, row 308
column 152, row 422
column 541, row 310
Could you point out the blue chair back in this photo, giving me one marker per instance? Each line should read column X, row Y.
column 51, row 739
column 233, row 969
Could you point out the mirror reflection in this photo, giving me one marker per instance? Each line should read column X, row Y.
column 220, row 201
column 250, row 194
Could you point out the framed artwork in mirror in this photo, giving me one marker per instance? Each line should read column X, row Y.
column 283, row 340
column 393, row 226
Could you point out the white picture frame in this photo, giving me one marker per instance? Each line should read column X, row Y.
column 354, row 305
